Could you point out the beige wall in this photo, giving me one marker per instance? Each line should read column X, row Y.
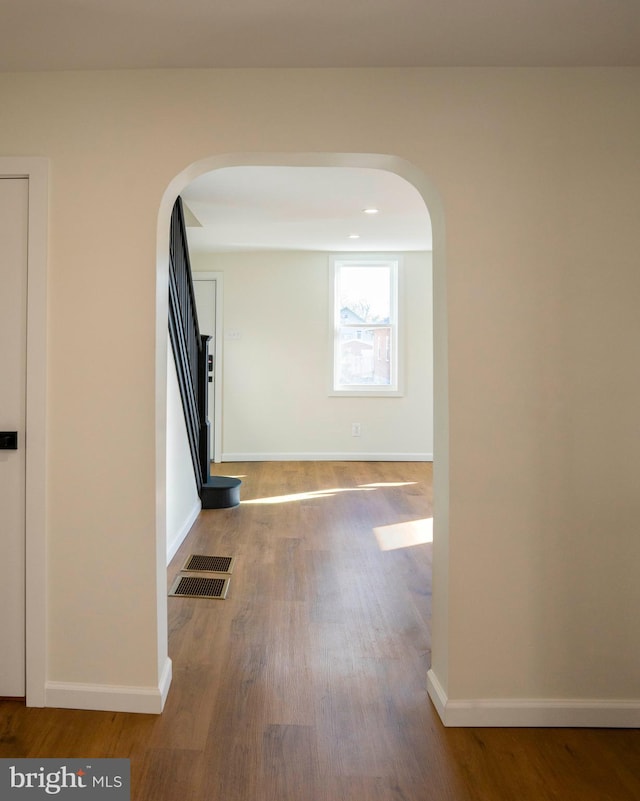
column 276, row 401
column 538, row 173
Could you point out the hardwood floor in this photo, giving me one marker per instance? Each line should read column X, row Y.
column 308, row 682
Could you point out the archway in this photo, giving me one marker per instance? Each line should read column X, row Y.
column 421, row 182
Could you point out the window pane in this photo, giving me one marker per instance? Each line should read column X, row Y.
column 365, row 326
column 364, row 356
column 365, row 294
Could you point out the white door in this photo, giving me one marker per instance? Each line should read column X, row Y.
column 207, row 291
column 13, row 360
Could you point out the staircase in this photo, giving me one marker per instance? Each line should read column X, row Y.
column 194, row 367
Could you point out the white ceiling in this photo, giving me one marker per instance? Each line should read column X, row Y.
column 247, row 208
column 132, row 34
column 304, row 208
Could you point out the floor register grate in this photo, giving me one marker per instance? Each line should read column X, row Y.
column 209, row 564
column 200, row 587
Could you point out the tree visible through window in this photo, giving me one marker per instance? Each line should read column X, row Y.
column 365, row 325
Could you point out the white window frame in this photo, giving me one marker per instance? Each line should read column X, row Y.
column 394, row 263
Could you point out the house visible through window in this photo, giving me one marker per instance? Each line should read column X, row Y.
column 365, row 325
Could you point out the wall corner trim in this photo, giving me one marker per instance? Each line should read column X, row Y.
column 534, row 712
column 110, row 697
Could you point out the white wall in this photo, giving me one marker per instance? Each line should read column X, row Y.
column 276, row 401
column 183, row 501
column 537, row 171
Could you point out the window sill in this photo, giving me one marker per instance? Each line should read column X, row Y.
column 366, row 393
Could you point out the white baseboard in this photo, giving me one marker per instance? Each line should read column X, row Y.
column 327, row 457
column 179, row 537
column 536, row 712
column 437, row 695
column 110, row 698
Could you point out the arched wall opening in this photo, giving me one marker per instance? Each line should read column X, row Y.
column 421, row 182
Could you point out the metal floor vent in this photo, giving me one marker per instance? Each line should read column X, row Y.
column 200, row 587
column 209, row 564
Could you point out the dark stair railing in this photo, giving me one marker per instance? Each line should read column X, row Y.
column 193, row 366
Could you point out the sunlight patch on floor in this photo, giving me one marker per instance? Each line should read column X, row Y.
column 308, row 496
column 404, row 535
column 390, row 484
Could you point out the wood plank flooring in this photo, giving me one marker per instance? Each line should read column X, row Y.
column 308, row 682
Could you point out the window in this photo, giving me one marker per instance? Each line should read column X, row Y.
column 365, row 325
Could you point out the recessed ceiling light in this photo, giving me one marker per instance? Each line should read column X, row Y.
column 354, row 236
column 371, row 211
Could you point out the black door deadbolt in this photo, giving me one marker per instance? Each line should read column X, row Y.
column 8, row 440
